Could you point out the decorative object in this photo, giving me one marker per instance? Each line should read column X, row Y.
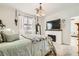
column 40, row 11
column 16, row 20
column 78, row 37
column 1, row 24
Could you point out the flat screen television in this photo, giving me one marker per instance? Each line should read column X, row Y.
column 53, row 25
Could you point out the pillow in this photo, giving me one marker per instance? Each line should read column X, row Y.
column 28, row 36
column 33, row 37
column 9, row 36
column 0, row 38
column 3, row 37
column 12, row 37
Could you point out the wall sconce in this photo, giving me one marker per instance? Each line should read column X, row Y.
column 16, row 20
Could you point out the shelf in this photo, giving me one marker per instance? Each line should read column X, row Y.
column 54, row 30
column 74, row 36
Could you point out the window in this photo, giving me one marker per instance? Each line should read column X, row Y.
column 27, row 25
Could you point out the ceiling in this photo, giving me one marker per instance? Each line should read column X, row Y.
column 48, row 7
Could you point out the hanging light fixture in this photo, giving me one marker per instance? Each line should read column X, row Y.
column 40, row 11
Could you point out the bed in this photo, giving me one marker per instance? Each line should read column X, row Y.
column 13, row 44
column 24, row 47
column 16, row 48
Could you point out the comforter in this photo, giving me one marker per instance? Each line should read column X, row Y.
column 24, row 47
column 16, row 48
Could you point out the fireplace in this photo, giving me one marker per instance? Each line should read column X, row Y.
column 53, row 37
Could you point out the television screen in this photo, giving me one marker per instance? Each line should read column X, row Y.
column 54, row 24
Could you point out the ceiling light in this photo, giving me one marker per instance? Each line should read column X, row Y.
column 40, row 11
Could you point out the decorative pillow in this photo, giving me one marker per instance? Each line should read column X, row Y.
column 9, row 36
column 34, row 37
column 28, row 36
column 12, row 37
column 3, row 37
column 0, row 38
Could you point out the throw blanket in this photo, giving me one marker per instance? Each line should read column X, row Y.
column 34, row 39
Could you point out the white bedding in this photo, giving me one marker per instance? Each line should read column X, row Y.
column 24, row 47
column 16, row 48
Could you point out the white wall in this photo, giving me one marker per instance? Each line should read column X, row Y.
column 7, row 15
column 66, row 15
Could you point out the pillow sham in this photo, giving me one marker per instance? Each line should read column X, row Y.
column 0, row 38
column 3, row 37
column 12, row 37
column 9, row 36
